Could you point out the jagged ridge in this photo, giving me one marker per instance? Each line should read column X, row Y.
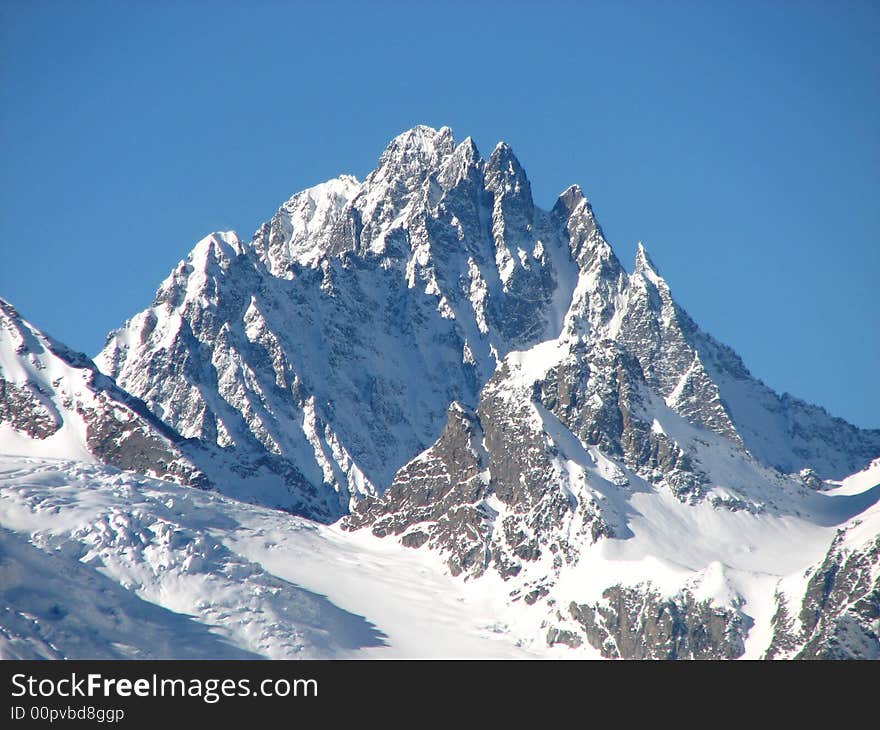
column 338, row 337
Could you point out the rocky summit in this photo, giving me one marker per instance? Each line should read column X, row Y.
column 429, row 358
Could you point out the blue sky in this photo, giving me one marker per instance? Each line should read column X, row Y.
column 740, row 141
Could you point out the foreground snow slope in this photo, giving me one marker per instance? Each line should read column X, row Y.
column 96, row 562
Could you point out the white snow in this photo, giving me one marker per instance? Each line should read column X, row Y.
column 220, row 578
column 217, row 577
column 60, row 387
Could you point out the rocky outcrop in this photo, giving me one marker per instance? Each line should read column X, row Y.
column 639, row 623
column 482, row 504
column 58, row 400
column 599, row 393
column 47, row 391
column 438, row 498
column 23, row 408
column 839, row 616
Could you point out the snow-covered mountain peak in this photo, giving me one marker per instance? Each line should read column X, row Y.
column 414, row 153
column 55, row 403
column 306, row 225
column 464, row 162
column 645, row 266
column 338, row 337
column 15, row 339
column 216, row 249
column 569, row 199
column 27, row 354
column 193, row 282
column 468, row 148
column 505, row 174
column 503, row 151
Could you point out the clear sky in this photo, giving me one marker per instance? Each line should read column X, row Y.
column 740, row 141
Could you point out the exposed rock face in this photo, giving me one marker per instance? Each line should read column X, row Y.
column 480, row 503
column 340, row 335
column 631, row 394
column 22, row 407
column 839, row 616
column 438, row 498
column 599, row 393
column 633, row 623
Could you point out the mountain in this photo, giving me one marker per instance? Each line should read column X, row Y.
column 341, row 334
column 484, row 407
column 338, row 337
column 54, row 402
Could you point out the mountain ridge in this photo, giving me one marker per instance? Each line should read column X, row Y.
column 485, row 271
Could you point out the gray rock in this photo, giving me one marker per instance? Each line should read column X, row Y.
column 637, row 623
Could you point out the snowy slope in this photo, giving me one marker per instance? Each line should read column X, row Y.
column 627, row 560
column 832, row 609
column 102, row 563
